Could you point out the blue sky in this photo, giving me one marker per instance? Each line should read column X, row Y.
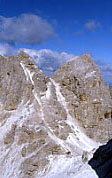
column 68, row 18
column 71, row 26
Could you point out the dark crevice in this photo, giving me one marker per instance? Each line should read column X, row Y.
column 107, row 115
column 102, row 161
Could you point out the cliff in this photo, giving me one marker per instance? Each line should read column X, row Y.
column 50, row 127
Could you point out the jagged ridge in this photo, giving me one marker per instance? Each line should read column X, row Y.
column 50, row 127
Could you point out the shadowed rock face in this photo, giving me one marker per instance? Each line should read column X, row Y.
column 102, row 161
column 110, row 92
column 50, row 127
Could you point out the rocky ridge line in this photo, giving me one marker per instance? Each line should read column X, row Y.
column 50, row 127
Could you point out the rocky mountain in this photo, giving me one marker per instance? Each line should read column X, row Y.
column 50, row 127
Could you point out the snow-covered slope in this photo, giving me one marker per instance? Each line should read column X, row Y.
column 41, row 135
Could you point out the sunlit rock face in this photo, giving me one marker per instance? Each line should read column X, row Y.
column 87, row 96
column 50, row 127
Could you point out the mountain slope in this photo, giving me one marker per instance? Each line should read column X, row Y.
column 50, row 127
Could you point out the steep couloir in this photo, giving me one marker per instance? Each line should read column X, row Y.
column 50, row 127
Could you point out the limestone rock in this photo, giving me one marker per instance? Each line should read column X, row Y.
column 50, row 127
column 110, row 92
column 88, row 98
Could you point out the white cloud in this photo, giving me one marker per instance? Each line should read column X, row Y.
column 49, row 61
column 106, row 71
column 6, row 50
column 26, row 29
column 92, row 25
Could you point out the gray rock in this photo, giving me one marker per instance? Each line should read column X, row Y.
column 88, row 98
column 110, row 92
column 50, row 127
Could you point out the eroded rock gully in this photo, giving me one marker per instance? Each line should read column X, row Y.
column 50, row 127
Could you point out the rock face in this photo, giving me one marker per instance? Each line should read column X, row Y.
column 50, row 127
column 110, row 92
column 87, row 96
column 102, row 161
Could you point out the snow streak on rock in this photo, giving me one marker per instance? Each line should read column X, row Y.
column 78, row 138
column 40, row 134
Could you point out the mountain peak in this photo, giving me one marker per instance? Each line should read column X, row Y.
column 51, row 123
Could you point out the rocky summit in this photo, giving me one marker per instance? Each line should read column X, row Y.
column 51, row 127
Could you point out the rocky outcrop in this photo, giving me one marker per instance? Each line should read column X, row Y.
column 87, row 96
column 110, row 92
column 50, row 127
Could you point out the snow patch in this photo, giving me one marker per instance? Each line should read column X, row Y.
column 78, row 138
column 48, row 92
column 90, row 74
column 28, row 73
column 66, row 167
column 19, row 116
